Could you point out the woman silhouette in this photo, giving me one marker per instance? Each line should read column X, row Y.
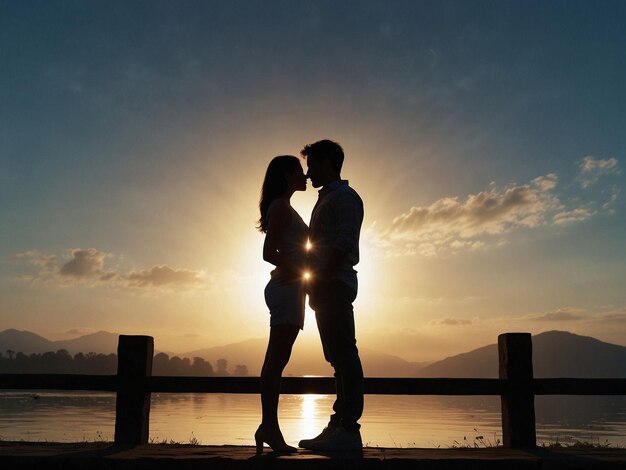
column 286, row 237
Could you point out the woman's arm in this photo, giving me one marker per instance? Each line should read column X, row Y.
column 277, row 224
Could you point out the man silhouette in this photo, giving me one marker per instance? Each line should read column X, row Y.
column 334, row 235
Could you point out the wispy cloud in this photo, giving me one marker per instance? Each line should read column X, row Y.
column 607, row 206
column 572, row 215
column 36, row 258
column 87, row 267
column 573, row 315
column 163, row 275
column 79, row 331
column 591, row 169
column 451, row 322
column 617, row 317
column 562, row 315
column 451, row 224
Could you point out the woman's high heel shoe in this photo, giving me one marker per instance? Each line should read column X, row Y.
column 273, row 439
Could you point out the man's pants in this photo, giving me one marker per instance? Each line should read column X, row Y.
column 332, row 302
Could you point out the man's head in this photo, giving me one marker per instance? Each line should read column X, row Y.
column 324, row 160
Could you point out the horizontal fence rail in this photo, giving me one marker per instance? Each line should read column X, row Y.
column 315, row 385
column 566, row 386
column 134, row 384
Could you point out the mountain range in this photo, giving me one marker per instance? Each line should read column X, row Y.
column 307, row 358
column 555, row 354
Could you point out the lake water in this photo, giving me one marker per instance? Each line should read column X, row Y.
column 388, row 421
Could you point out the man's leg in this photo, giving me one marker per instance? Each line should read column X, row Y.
column 346, row 361
column 319, row 302
column 335, row 320
column 327, row 331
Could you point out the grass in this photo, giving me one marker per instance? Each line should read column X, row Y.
column 578, row 444
column 479, row 442
column 193, row 441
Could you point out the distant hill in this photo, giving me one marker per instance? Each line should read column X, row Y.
column 100, row 342
column 555, row 354
column 246, row 352
column 24, row 341
column 307, row 359
column 27, row 342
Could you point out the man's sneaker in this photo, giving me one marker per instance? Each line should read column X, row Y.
column 338, row 441
column 326, row 432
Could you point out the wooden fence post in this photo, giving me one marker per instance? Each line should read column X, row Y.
column 132, row 408
column 518, row 403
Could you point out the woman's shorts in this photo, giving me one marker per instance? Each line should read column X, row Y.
column 286, row 303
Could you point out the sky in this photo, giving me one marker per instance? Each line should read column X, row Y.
column 487, row 140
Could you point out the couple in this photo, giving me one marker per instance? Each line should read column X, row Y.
column 317, row 260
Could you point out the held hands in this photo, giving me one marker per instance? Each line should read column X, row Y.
column 295, row 273
column 306, row 275
column 320, row 276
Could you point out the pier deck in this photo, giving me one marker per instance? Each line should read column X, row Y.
column 102, row 455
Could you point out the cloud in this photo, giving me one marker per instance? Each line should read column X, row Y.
column 87, row 267
column 591, row 169
column 573, row 215
column 589, row 316
column 614, row 194
column 452, row 225
column 163, row 275
column 84, row 263
column 558, row 316
column 76, row 265
column 37, row 259
column 451, row 322
column 80, row 331
column 618, row 317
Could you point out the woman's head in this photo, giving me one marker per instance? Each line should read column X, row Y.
column 284, row 175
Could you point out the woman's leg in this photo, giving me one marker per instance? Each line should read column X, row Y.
column 277, row 356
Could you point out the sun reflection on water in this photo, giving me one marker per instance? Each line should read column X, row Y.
column 312, row 417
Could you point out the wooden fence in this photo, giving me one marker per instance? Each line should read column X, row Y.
column 134, row 384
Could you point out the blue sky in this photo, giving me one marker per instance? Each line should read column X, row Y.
column 134, row 137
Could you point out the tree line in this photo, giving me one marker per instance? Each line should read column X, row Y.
column 62, row 362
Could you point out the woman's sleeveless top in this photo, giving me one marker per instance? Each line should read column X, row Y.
column 294, row 242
